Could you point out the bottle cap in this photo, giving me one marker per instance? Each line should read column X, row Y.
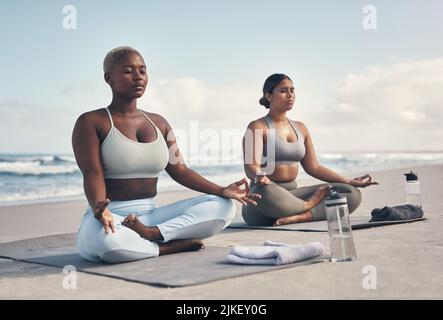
column 411, row 176
column 334, row 194
column 335, row 199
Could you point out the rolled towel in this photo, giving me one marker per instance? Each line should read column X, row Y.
column 402, row 212
column 274, row 253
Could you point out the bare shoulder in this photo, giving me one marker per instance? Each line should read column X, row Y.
column 93, row 117
column 90, row 126
column 259, row 123
column 159, row 121
column 302, row 127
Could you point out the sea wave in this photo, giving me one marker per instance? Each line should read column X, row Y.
column 42, row 159
column 37, row 165
column 35, row 169
column 331, row 156
column 36, row 177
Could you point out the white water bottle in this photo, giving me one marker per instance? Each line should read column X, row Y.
column 412, row 189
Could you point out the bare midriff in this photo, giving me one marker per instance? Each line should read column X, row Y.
column 283, row 173
column 131, row 189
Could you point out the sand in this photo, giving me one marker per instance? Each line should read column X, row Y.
column 406, row 258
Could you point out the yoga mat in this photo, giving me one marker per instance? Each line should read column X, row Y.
column 357, row 222
column 175, row 270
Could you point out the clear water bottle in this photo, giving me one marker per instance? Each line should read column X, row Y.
column 339, row 228
column 412, row 189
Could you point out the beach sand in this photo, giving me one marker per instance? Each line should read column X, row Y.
column 407, row 257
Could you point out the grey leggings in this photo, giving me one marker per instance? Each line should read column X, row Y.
column 281, row 199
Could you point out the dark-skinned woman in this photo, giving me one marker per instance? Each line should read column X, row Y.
column 120, row 151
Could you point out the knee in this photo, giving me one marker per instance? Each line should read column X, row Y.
column 96, row 237
column 226, row 209
column 255, row 218
column 259, row 189
column 221, row 208
column 268, row 193
column 354, row 198
column 92, row 242
column 123, row 255
column 122, row 247
column 108, row 242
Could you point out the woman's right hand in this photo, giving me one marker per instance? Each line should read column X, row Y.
column 363, row 181
column 261, row 180
column 102, row 214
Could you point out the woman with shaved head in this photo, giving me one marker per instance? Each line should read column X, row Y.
column 120, row 151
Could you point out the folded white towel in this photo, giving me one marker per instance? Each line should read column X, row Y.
column 274, row 253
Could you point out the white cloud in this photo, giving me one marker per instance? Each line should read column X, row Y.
column 182, row 100
column 386, row 108
column 408, row 93
column 397, row 107
column 198, row 111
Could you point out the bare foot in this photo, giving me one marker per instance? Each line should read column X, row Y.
column 296, row 218
column 148, row 233
column 181, row 246
column 317, row 197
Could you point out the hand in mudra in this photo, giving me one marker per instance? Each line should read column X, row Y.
column 363, row 181
column 102, row 214
column 262, row 180
column 234, row 191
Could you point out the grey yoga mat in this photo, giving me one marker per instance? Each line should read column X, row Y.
column 175, row 270
column 357, row 222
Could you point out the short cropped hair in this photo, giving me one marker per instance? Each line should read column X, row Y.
column 113, row 56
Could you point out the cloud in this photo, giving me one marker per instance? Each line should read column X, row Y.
column 182, row 100
column 217, row 114
column 406, row 94
column 395, row 107
column 29, row 128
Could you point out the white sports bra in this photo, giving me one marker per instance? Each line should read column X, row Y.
column 124, row 158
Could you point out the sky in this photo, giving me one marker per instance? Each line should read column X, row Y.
column 358, row 88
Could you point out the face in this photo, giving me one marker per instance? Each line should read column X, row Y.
column 283, row 96
column 128, row 76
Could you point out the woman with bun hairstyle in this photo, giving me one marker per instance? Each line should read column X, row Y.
column 273, row 148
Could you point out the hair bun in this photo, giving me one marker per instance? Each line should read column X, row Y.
column 264, row 102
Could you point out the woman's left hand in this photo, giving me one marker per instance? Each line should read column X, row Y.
column 233, row 191
column 363, row 181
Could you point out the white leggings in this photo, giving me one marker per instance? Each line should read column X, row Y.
column 199, row 217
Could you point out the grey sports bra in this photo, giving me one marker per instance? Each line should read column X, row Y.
column 285, row 152
column 124, row 158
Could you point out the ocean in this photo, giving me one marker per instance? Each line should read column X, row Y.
column 28, row 178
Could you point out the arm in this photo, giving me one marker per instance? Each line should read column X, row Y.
column 86, row 146
column 311, row 166
column 253, row 150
